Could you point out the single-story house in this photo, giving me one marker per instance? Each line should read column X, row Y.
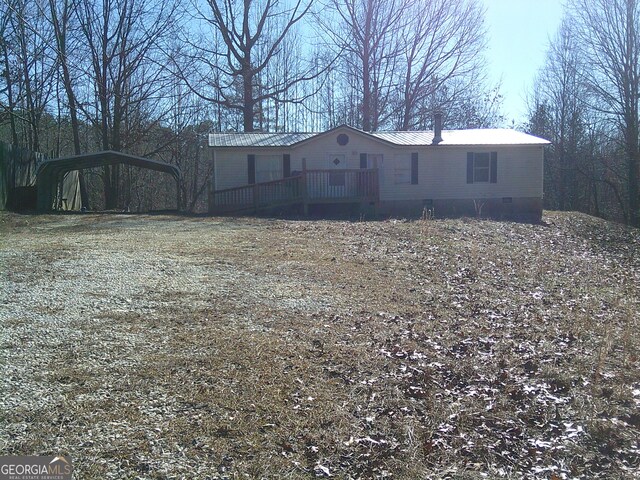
column 484, row 172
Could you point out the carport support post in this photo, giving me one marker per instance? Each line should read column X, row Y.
column 84, row 196
column 178, row 199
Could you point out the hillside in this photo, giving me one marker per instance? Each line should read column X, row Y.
column 167, row 347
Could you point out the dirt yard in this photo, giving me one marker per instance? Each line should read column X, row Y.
column 173, row 347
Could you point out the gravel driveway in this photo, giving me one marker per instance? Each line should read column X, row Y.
column 176, row 347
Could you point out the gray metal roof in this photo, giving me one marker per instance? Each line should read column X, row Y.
column 50, row 172
column 257, row 139
column 99, row 159
column 478, row 137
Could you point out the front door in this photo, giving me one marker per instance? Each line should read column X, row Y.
column 336, row 181
column 367, row 181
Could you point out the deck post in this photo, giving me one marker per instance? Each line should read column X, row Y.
column 255, row 197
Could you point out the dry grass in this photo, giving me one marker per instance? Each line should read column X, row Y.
column 162, row 347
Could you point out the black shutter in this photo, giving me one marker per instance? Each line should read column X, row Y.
column 414, row 168
column 494, row 167
column 251, row 164
column 363, row 160
column 286, row 165
column 469, row 167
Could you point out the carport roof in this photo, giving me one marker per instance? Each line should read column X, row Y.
column 99, row 159
column 50, row 172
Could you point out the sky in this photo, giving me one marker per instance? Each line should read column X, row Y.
column 519, row 33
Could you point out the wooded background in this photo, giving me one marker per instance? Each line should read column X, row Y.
column 153, row 77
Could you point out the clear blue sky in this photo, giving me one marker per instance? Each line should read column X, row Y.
column 519, row 33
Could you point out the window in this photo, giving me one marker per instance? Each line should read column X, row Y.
column 268, row 168
column 482, row 167
column 371, row 160
column 406, row 169
column 402, row 170
column 342, row 139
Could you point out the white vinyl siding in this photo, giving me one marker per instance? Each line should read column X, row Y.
column 519, row 173
column 230, row 169
column 442, row 172
column 318, row 150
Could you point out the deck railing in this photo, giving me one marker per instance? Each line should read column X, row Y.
column 259, row 195
column 342, row 184
column 309, row 186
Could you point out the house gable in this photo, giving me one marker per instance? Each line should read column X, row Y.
column 338, row 133
column 341, row 147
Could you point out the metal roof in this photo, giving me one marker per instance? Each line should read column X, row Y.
column 50, row 172
column 477, row 137
column 257, row 139
column 98, row 159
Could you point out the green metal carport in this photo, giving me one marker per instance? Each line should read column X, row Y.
column 51, row 172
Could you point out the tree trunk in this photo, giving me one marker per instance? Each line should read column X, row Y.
column 33, row 144
column 247, row 98
column 61, row 41
column 633, row 191
column 366, row 70
column 9, row 80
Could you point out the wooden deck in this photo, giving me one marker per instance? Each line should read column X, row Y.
column 310, row 187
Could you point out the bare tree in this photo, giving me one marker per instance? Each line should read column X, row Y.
column 608, row 33
column 29, row 70
column 560, row 84
column 404, row 58
column 61, row 14
column 185, row 137
column 7, row 92
column 246, row 37
column 584, row 166
column 369, row 34
column 445, row 42
column 124, row 66
column 469, row 105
